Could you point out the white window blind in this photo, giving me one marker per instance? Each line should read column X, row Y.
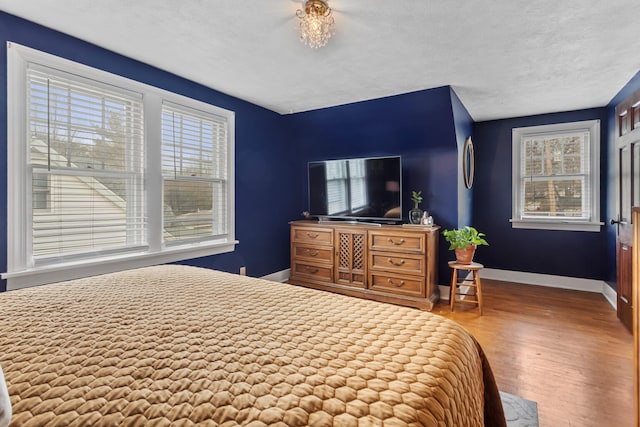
column 195, row 174
column 85, row 166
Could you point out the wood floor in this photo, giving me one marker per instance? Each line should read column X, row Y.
column 564, row 349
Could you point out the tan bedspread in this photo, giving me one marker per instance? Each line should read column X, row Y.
column 176, row 345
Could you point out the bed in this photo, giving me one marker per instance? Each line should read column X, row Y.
column 185, row 346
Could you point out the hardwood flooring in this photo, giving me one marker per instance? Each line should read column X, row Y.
column 564, row 349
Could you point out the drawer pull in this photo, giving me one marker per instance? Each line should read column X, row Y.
column 311, row 270
column 398, row 243
column 397, row 264
column 395, row 284
column 311, row 253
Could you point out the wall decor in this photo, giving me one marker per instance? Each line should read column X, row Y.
column 468, row 162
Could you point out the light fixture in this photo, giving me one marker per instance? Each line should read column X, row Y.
column 316, row 23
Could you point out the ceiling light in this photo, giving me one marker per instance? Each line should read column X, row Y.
column 316, row 23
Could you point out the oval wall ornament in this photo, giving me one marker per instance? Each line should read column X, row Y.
column 468, row 162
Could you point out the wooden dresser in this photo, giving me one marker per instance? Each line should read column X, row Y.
column 388, row 263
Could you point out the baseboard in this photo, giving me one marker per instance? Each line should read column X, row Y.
column 278, row 276
column 548, row 280
column 552, row 281
column 610, row 295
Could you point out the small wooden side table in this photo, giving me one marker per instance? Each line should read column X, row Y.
column 472, row 283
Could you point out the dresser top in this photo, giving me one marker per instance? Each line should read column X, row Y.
column 367, row 225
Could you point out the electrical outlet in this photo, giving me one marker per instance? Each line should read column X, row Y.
column 243, row 271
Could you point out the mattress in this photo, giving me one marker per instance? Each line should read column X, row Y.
column 186, row 346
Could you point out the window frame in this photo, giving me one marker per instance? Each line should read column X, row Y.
column 21, row 270
column 591, row 224
column 218, row 175
column 77, row 86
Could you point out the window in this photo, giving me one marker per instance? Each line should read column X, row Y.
column 117, row 174
column 85, row 165
column 556, row 176
column 194, row 168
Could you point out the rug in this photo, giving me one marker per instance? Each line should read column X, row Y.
column 519, row 412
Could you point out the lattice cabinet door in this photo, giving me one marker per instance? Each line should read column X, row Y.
column 351, row 258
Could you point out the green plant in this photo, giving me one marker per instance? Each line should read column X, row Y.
column 416, row 196
column 463, row 237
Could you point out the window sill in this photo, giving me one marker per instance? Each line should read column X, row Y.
column 74, row 270
column 556, row 225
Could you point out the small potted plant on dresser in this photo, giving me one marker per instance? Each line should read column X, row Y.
column 464, row 241
column 415, row 214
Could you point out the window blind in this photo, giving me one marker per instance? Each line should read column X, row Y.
column 85, row 174
column 194, row 168
column 85, row 158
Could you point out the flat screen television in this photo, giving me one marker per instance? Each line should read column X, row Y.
column 364, row 189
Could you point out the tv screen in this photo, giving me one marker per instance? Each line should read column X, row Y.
column 358, row 189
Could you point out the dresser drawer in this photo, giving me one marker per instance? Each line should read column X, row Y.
column 312, row 271
column 396, row 284
column 311, row 253
column 396, row 241
column 397, row 263
column 316, row 236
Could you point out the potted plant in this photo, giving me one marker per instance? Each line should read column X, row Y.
column 415, row 214
column 464, row 241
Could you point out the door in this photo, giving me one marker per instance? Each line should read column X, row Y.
column 351, row 257
column 623, row 236
column 628, row 189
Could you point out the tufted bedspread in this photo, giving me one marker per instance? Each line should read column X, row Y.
column 183, row 346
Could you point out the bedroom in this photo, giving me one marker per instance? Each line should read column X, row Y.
column 272, row 151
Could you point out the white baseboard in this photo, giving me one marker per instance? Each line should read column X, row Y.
column 278, row 276
column 548, row 280
column 610, row 295
column 552, row 281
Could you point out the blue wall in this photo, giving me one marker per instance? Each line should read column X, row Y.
column 463, row 124
column 427, row 128
column 632, row 86
column 418, row 126
column 262, row 148
column 564, row 253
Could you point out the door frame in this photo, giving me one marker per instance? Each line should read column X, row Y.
column 635, row 278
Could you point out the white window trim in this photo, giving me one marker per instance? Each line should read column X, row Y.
column 20, row 271
column 592, row 224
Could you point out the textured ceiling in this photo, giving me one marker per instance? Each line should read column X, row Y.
column 504, row 58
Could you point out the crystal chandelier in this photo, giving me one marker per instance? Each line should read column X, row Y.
column 316, row 23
